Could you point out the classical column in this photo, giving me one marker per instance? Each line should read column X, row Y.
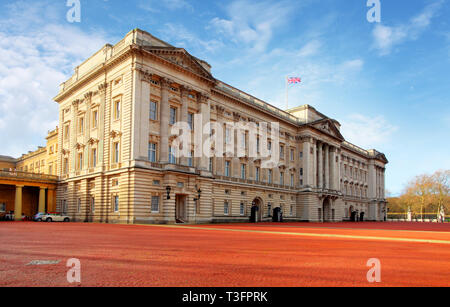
column 327, row 166
column 18, row 203
column 41, row 200
column 164, row 121
column 103, row 125
column 307, row 158
column 73, row 135
column 141, row 116
column 320, row 165
column 87, row 127
column 313, row 170
column 205, row 109
column 51, row 200
column 184, row 117
column 333, row 168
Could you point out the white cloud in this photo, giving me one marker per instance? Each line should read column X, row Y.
column 154, row 6
column 385, row 37
column 34, row 63
column 367, row 132
column 253, row 23
column 182, row 37
column 310, row 48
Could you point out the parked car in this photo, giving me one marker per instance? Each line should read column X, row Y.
column 38, row 217
column 9, row 216
column 55, row 217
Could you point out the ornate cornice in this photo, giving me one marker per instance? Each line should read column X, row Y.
column 146, row 76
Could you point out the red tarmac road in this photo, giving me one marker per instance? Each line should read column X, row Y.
column 267, row 254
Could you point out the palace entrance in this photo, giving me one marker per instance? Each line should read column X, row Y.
column 180, row 208
column 257, row 211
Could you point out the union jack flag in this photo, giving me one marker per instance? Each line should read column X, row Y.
column 294, row 80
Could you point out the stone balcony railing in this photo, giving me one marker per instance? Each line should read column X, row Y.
column 13, row 174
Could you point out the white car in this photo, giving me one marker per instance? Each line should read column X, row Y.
column 55, row 217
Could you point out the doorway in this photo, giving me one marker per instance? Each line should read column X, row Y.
column 256, row 211
column 180, row 208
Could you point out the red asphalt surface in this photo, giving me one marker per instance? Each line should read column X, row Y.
column 253, row 255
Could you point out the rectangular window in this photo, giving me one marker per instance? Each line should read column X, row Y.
column 116, row 154
column 2, row 207
column 282, row 152
column 243, row 171
column 270, row 176
column 226, row 209
column 78, row 205
column 80, row 161
column 243, row 141
column 227, row 168
column 301, row 154
column 292, row 180
column 190, row 161
column 81, row 125
column 301, row 172
column 155, row 204
column 153, row 110
column 242, row 209
column 257, row 145
column 116, row 203
column 292, row 154
column 173, row 116
column 257, row 174
column 117, row 109
column 152, row 152
column 281, row 178
column 291, row 212
column 227, row 136
column 211, row 164
column 94, row 119
column 66, row 132
column 94, row 157
column 92, row 204
column 191, row 121
column 172, row 155
column 50, row 170
column 66, row 165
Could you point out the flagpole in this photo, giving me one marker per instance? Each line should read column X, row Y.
column 287, row 94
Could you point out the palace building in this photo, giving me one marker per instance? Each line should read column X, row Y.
column 115, row 154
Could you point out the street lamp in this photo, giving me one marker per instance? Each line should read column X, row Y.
column 168, row 189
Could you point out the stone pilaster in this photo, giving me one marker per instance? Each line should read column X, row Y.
column 184, row 117
column 320, row 165
column 205, row 109
column 164, row 121
column 327, row 166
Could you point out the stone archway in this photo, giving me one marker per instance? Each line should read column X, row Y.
column 257, row 210
column 326, row 210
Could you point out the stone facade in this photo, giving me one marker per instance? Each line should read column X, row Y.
column 115, row 163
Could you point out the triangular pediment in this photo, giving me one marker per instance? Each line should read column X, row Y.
column 182, row 58
column 327, row 126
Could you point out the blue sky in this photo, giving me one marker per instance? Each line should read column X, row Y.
column 387, row 83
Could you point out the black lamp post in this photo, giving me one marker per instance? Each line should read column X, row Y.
column 199, row 194
column 168, row 189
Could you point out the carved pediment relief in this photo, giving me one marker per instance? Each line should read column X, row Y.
column 327, row 126
column 115, row 134
column 79, row 146
column 182, row 58
column 93, row 141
